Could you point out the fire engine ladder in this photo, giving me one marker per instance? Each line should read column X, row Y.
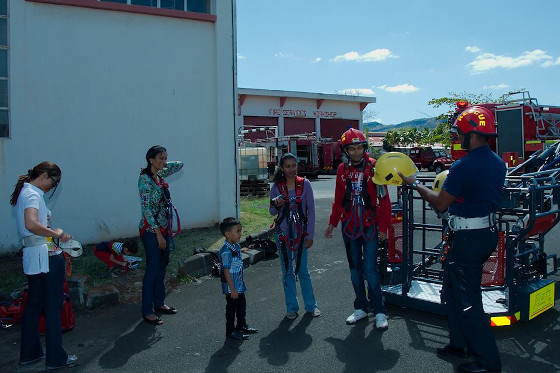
column 547, row 123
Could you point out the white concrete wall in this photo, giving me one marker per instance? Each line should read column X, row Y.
column 92, row 90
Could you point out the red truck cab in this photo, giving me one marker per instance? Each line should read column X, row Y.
column 430, row 159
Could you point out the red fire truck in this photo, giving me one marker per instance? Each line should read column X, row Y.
column 314, row 156
column 524, row 127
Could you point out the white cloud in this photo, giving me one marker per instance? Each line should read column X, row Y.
column 318, row 59
column 240, row 57
column 497, row 87
column 551, row 63
column 472, row 49
column 356, row 92
column 489, row 61
column 371, row 56
column 401, row 88
column 284, row 55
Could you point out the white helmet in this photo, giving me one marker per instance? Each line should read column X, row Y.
column 71, row 247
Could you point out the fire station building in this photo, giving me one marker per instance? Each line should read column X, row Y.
column 270, row 113
column 92, row 84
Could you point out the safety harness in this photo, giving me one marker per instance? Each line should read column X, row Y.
column 357, row 203
column 292, row 244
column 170, row 211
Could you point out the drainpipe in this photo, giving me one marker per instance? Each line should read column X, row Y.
column 235, row 108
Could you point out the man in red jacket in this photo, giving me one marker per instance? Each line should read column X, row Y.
column 364, row 209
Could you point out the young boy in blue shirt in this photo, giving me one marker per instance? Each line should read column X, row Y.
column 233, row 285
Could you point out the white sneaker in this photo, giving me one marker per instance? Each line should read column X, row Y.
column 356, row 316
column 315, row 313
column 291, row 315
column 381, row 321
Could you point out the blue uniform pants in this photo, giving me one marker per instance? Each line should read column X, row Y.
column 468, row 325
column 153, row 285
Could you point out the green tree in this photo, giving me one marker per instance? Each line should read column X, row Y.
column 440, row 134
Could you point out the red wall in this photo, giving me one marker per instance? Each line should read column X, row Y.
column 259, row 121
column 336, row 127
column 296, row 126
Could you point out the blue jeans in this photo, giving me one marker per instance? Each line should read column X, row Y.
column 362, row 260
column 45, row 292
column 153, row 286
column 289, row 282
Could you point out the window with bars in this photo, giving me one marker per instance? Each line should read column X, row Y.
column 198, row 6
column 4, row 122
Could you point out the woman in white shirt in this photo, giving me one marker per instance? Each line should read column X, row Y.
column 43, row 264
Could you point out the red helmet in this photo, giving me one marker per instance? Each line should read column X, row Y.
column 476, row 119
column 353, row 137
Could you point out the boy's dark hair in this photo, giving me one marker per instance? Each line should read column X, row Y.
column 228, row 223
column 131, row 246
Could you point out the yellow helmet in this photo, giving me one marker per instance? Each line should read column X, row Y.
column 389, row 165
column 438, row 180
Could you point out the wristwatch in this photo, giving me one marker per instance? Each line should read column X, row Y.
column 414, row 184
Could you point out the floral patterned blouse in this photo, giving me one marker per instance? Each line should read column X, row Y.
column 151, row 201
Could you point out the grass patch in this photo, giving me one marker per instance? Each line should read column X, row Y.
column 254, row 217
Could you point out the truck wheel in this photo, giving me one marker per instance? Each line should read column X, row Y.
column 438, row 168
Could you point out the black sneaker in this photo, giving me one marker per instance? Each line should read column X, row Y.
column 236, row 335
column 449, row 350
column 71, row 360
column 247, row 330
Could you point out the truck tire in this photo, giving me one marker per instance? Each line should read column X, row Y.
column 438, row 168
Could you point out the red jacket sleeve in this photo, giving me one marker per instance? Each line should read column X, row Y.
column 383, row 210
column 339, row 191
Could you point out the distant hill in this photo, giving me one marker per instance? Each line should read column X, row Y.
column 430, row 123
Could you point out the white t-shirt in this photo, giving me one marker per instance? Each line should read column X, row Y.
column 35, row 258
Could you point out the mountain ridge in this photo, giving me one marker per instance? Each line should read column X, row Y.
column 429, row 123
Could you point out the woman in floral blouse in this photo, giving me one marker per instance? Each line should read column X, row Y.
column 154, row 231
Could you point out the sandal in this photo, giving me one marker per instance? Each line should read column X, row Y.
column 168, row 310
column 156, row 321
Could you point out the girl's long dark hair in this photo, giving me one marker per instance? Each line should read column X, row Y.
column 50, row 168
column 278, row 174
column 152, row 153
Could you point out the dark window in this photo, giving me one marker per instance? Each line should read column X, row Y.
column 144, row 2
column 3, row 63
column 198, row 6
column 3, row 31
column 4, row 116
column 3, row 93
column 173, row 4
column 4, row 127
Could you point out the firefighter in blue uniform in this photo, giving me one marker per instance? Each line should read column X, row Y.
column 472, row 192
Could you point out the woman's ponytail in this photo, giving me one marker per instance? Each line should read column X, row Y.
column 19, row 186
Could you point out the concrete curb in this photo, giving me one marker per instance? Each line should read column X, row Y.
column 201, row 264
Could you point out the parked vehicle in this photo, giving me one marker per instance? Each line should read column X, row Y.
column 430, row 159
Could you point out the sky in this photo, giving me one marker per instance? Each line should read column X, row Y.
column 404, row 53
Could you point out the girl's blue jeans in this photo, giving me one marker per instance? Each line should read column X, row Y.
column 289, row 282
